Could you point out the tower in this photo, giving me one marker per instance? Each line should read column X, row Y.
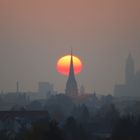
column 17, row 84
column 129, row 69
column 71, row 85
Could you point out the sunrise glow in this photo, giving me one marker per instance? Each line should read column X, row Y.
column 63, row 65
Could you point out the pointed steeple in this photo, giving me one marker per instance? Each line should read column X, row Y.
column 71, row 85
column 71, row 72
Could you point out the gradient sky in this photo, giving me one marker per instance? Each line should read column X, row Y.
column 34, row 34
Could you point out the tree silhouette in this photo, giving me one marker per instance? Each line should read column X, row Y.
column 125, row 129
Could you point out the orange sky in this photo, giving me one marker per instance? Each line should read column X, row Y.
column 75, row 14
column 102, row 32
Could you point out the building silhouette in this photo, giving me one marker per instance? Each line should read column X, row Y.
column 82, row 90
column 71, row 85
column 131, row 88
column 129, row 69
column 45, row 87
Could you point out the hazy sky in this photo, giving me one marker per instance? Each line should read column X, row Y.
column 34, row 34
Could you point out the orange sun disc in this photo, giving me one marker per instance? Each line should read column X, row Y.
column 63, row 65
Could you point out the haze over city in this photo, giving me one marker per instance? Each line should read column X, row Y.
column 35, row 34
column 70, row 69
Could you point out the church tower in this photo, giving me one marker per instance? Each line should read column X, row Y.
column 71, row 85
column 130, row 69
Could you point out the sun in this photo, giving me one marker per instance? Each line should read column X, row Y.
column 63, row 65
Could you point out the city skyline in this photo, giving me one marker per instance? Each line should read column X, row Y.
column 35, row 34
column 69, row 69
column 18, row 84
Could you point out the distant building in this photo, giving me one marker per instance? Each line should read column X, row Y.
column 45, row 90
column 131, row 88
column 36, row 96
column 82, row 90
column 71, row 85
column 11, row 99
column 15, row 98
column 45, row 87
column 129, row 70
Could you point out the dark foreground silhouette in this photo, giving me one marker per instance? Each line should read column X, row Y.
column 62, row 118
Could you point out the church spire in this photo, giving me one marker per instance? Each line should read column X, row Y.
column 71, row 72
column 71, row 85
